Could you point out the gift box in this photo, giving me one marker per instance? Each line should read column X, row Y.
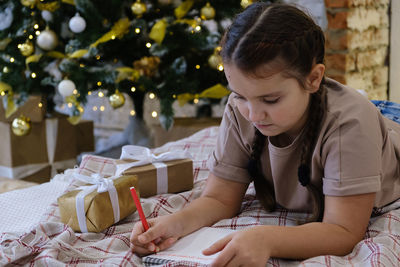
column 34, row 108
column 169, row 172
column 51, row 147
column 99, row 204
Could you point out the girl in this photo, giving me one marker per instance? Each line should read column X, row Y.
column 309, row 143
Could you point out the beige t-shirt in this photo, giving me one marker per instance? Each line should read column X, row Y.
column 357, row 151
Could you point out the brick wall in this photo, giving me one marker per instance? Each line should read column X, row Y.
column 357, row 44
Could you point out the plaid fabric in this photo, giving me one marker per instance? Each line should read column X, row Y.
column 52, row 243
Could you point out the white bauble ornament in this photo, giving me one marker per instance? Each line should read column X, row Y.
column 47, row 40
column 47, row 15
column 77, row 24
column 66, row 88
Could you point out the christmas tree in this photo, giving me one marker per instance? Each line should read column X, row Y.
column 72, row 47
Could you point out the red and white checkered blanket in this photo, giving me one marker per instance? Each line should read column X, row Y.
column 52, row 243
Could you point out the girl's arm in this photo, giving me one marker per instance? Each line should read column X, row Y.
column 343, row 226
column 220, row 199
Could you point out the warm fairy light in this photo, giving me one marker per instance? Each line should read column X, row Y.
column 12, row 60
column 99, row 83
column 132, row 113
column 33, row 75
column 19, row 45
column 198, row 28
column 137, row 30
column 196, row 100
column 36, row 26
column 197, row 66
column 152, row 96
column 98, row 57
column 148, row 45
column 220, row 67
column 40, row 104
column 113, row 37
column 89, row 93
column 30, row 37
column 101, row 94
column 102, row 108
column 37, row 32
column 82, row 65
column 133, row 89
column 173, row 96
column 75, row 91
column 70, row 105
column 218, row 48
column 3, row 93
column 154, row 114
column 94, row 108
column 5, row 69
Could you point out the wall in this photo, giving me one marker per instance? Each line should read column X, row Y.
column 357, row 44
column 395, row 52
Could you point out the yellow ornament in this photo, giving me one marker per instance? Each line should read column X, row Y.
column 117, row 100
column 147, row 66
column 138, row 8
column 207, row 12
column 246, row 3
column 28, row 3
column 21, row 126
column 215, row 61
column 26, row 48
column 48, row 5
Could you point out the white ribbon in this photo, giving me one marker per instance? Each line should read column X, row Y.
column 100, row 184
column 143, row 156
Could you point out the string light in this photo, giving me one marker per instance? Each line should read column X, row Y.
column 37, row 32
column 152, row 96
column 70, row 105
column 98, row 57
column 154, row 114
column 196, row 100
column 133, row 89
column 137, row 30
column 132, row 113
column 12, row 59
column 82, row 65
column 148, row 45
column 30, row 37
column 101, row 94
column 102, row 108
column 75, row 92
column 36, row 26
column 113, row 37
column 5, row 69
column 33, row 75
column 198, row 28
column 174, row 96
column 40, row 104
column 94, row 108
column 220, row 67
column 197, row 67
column 99, row 83
column 3, row 93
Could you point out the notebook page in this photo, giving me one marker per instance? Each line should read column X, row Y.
column 189, row 247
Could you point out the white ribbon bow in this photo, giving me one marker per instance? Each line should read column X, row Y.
column 100, row 184
column 143, row 156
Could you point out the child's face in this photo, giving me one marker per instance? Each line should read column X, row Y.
column 274, row 105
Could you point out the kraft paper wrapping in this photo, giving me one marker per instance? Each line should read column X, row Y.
column 180, row 177
column 98, row 208
column 30, row 108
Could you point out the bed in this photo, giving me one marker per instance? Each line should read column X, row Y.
column 32, row 234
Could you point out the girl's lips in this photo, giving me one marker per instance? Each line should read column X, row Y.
column 262, row 125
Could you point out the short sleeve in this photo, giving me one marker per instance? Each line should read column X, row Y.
column 352, row 154
column 232, row 152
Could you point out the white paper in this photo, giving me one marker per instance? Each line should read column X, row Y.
column 190, row 247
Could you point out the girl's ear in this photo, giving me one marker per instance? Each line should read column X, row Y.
column 315, row 77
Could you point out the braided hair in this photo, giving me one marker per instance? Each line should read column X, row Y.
column 289, row 41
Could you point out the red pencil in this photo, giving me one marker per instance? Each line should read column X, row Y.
column 140, row 210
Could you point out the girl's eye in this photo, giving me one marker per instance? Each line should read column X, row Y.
column 235, row 96
column 271, row 101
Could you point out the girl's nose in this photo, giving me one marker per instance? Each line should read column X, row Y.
column 256, row 114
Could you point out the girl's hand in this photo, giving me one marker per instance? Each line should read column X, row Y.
column 248, row 247
column 163, row 233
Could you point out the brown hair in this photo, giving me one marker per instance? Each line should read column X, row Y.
column 290, row 42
